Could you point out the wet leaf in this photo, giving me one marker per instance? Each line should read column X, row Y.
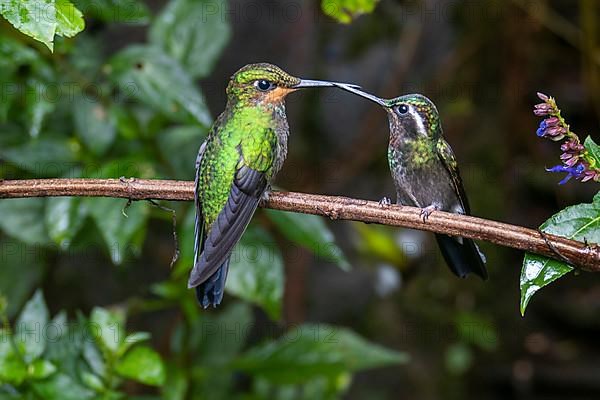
column 580, row 222
column 69, row 19
column 593, row 149
column 35, row 18
column 194, row 32
column 43, row 19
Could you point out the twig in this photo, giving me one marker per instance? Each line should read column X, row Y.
column 176, row 252
column 337, row 208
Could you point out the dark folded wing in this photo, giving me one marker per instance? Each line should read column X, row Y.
column 246, row 191
column 446, row 156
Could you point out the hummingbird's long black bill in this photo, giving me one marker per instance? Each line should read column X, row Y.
column 308, row 83
column 355, row 89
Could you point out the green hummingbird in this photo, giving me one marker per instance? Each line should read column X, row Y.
column 244, row 149
column 425, row 172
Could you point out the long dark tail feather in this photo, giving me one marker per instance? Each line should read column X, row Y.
column 210, row 292
column 462, row 258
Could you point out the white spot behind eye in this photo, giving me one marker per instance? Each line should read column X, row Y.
column 419, row 121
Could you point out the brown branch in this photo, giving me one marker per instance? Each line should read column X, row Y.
column 337, row 208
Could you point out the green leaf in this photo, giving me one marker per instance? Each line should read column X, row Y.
column 64, row 216
column 311, row 232
column 35, row 18
column 312, row 351
column 93, row 357
column 41, row 369
column 151, row 76
column 62, row 387
column 42, row 19
column 48, row 158
column 179, row 147
column 22, row 261
column 108, row 328
column 12, row 368
column 126, row 11
column 38, row 106
column 215, row 342
column 13, row 54
column 177, row 384
column 219, row 340
column 194, row 32
column 92, row 381
column 594, row 151
column 477, row 329
column 30, row 327
column 256, row 271
column 117, row 229
column 458, row 358
column 94, row 125
column 345, row 11
column 132, row 340
column 69, row 19
column 580, row 222
column 323, row 388
column 142, row 364
column 24, row 219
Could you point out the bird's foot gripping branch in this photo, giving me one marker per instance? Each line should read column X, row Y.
column 580, row 222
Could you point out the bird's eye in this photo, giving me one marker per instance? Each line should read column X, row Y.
column 264, row 85
column 402, row 109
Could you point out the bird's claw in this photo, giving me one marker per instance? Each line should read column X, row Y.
column 264, row 198
column 426, row 212
column 385, row 202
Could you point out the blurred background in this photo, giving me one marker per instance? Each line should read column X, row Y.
column 314, row 308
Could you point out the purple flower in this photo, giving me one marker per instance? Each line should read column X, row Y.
column 572, row 152
column 572, row 172
column 576, row 161
column 541, row 110
column 552, row 129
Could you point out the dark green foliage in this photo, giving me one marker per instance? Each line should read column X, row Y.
column 580, row 222
column 88, row 110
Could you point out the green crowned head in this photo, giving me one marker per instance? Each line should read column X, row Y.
column 266, row 84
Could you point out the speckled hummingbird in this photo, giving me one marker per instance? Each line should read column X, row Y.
column 425, row 172
column 245, row 148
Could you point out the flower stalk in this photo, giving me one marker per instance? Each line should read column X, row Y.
column 577, row 160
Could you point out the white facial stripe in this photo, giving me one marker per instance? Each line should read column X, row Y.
column 419, row 121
